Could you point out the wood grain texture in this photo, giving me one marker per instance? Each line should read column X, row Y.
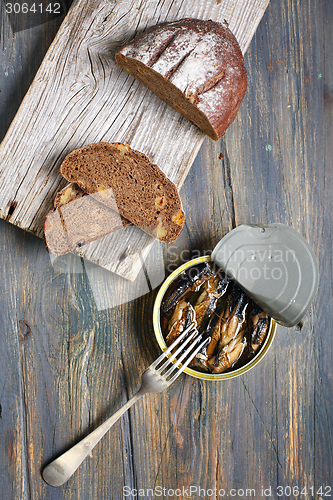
column 76, row 338
column 79, row 96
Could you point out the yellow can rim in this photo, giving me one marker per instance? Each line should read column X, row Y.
column 190, row 371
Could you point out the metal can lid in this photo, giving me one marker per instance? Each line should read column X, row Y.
column 274, row 264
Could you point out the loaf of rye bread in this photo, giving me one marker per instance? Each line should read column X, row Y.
column 78, row 219
column 196, row 66
column 127, row 182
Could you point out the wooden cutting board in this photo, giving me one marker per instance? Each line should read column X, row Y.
column 79, row 96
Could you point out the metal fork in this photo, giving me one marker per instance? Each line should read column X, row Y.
column 154, row 380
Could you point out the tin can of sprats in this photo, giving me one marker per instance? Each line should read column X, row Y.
column 160, row 335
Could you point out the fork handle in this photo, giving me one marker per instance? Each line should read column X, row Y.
column 63, row 467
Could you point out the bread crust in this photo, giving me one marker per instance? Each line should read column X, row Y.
column 196, row 66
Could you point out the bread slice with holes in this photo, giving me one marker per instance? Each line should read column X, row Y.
column 126, row 181
column 78, row 219
column 196, row 66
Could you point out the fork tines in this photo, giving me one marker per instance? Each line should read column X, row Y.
column 173, row 363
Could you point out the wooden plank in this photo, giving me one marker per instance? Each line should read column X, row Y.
column 13, row 463
column 80, row 96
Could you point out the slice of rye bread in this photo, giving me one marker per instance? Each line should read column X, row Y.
column 196, row 66
column 73, row 192
column 78, row 219
column 126, row 181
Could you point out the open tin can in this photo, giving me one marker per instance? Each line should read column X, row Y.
column 160, row 337
column 276, row 268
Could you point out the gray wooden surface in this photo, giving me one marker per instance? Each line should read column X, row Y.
column 75, row 339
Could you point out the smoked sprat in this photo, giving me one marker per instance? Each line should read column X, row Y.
column 236, row 326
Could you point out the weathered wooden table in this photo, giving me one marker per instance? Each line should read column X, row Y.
column 75, row 338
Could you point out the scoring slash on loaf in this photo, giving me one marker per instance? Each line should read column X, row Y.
column 126, row 181
column 78, row 219
column 196, row 66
